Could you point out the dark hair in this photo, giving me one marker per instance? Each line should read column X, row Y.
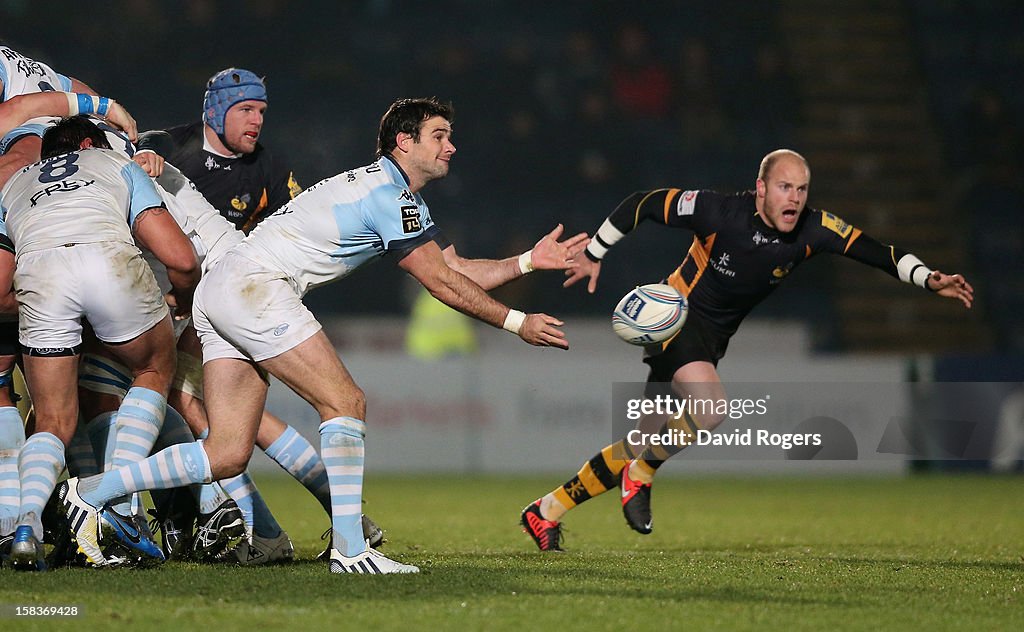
column 407, row 116
column 68, row 134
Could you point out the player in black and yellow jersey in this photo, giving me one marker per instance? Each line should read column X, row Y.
column 744, row 245
column 222, row 154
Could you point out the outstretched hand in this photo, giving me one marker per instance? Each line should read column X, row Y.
column 542, row 330
column 951, row 286
column 551, row 254
column 584, row 268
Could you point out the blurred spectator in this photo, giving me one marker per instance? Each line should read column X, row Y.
column 641, row 82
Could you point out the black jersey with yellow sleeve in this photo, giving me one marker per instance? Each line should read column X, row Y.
column 736, row 260
column 245, row 189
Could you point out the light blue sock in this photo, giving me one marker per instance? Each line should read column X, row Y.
column 40, row 463
column 173, row 431
column 210, row 497
column 81, row 460
column 12, row 438
column 341, row 445
column 138, row 423
column 178, row 465
column 257, row 516
column 299, row 458
column 101, row 430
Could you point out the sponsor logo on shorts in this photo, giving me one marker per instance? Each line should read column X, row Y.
column 280, row 329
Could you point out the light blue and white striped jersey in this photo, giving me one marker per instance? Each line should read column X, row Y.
column 22, row 75
column 339, row 224
column 206, row 228
column 87, row 196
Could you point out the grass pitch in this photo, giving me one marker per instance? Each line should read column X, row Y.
column 932, row 552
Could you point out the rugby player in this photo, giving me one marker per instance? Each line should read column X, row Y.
column 744, row 245
column 79, row 209
column 224, row 161
column 251, row 321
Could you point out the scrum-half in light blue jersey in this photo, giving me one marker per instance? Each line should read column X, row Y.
column 87, row 196
column 22, row 75
column 340, row 224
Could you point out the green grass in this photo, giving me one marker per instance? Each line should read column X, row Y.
column 727, row 554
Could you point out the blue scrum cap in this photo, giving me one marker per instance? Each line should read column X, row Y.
column 227, row 88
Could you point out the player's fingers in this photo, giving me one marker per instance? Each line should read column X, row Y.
column 556, row 232
column 576, row 240
column 577, row 244
column 558, row 341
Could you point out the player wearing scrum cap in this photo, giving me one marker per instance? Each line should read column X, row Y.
column 222, row 154
column 744, row 245
column 223, row 159
column 251, row 320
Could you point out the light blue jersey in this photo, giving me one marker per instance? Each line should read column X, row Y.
column 37, row 127
column 22, row 75
column 32, row 127
column 87, row 196
column 339, row 224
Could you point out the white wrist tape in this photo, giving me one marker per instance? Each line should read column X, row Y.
column 913, row 270
column 526, row 262
column 605, row 238
column 514, row 321
column 87, row 104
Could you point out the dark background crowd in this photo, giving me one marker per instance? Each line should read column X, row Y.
column 562, row 109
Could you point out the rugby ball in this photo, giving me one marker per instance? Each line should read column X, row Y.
column 649, row 314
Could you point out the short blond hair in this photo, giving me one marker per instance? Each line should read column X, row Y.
column 769, row 161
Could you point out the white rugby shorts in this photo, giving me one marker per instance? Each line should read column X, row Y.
column 108, row 283
column 242, row 310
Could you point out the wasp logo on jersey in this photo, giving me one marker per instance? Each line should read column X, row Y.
column 293, row 186
column 781, row 272
column 836, row 225
column 240, row 203
column 61, row 187
column 411, row 219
